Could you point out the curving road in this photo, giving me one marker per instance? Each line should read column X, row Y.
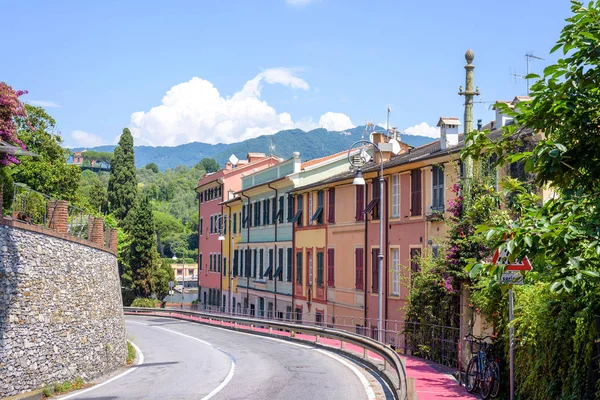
column 183, row 360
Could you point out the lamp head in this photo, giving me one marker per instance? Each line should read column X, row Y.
column 359, row 180
column 174, row 258
column 221, row 237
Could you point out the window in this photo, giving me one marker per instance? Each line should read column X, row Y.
column 374, row 270
column 248, row 262
column 289, row 265
column 190, row 272
column 298, row 217
column 395, row 272
column 210, row 262
column 235, row 262
column 224, row 266
column 395, row 196
column 330, row 267
column 375, row 187
column 360, row 203
column 319, row 318
column 179, row 271
column 299, row 267
column 274, row 211
column 257, row 213
column 437, row 177
column 269, row 270
column 280, row 211
column 266, row 210
column 200, row 261
column 435, row 251
column 310, row 208
column 261, row 257
column 201, row 230
column 212, row 224
column 309, row 268
column 234, row 223
column 244, row 216
column 249, row 217
column 279, row 271
column 415, row 192
column 290, row 207
column 318, row 216
column 255, row 263
column 219, row 263
column 414, row 263
column 358, row 263
column 331, row 213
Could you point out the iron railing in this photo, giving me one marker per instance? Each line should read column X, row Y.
column 30, row 206
column 396, row 380
column 436, row 343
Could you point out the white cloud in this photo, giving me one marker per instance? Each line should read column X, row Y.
column 335, row 121
column 299, row 3
column 86, row 139
column 423, row 129
column 196, row 111
column 44, row 103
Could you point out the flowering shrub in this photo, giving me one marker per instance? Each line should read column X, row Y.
column 10, row 108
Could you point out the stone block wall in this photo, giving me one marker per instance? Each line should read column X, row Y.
column 61, row 312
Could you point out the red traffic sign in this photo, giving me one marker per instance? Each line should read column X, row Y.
column 501, row 258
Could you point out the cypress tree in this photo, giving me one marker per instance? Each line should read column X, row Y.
column 122, row 185
column 143, row 254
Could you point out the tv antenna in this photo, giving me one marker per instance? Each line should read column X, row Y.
column 528, row 57
column 271, row 147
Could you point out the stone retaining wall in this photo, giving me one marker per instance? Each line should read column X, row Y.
column 61, row 312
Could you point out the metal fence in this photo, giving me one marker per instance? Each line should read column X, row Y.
column 30, row 206
column 436, row 343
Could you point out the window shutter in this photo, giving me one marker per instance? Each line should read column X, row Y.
column 330, row 267
column 360, row 203
column 289, row 264
column 359, row 268
column 331, row 214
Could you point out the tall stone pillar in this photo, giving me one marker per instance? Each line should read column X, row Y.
column 58, row 215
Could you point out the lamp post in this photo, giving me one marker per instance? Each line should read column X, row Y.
column 221, row 237
column 174, row 246
column 362, row 158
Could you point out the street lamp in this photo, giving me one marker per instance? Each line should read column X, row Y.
column 358, row 161
column 221, row 238
column 174, row 246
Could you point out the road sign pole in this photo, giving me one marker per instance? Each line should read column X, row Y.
column 512, row 342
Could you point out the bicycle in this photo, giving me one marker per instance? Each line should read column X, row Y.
column 483, row 370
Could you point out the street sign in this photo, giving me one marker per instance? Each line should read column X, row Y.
column 513, row 277
column 171, row 284
column 501, row 258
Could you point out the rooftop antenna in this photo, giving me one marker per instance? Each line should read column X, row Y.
column 389, row 110
column 271, row 147
column 529, row 56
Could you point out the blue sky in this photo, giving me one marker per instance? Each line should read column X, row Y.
column 238, row 69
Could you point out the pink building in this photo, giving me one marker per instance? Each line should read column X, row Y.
column 213, row 189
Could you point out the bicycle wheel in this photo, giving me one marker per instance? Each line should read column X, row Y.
column 495, row 389
column 472, row 375
column 486, row 382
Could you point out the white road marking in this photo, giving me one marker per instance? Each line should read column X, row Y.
column 231, row 370
column 363, row 380
column 140, row 357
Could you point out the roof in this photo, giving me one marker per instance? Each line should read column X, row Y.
column 230, row 201
column 448, row 121
column 209, row 178
column 316, row 161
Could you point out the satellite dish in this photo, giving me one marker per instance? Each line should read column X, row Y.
column 395, row 146
column 233, row 160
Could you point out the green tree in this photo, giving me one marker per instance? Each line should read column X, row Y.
column 152, row 167
column 48, row 173
column 122, row 185
column 143, row 255
column 208, row 165
column 160, row 282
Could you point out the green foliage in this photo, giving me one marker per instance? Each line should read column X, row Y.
column 144, row 302
column 143, row 255
column 131, row 353
column 122, row 185
column 49, row 173
column 102, row 158
column 152, row 167
column 160, row 281
column 208, row 165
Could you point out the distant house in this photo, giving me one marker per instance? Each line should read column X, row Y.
column 78, row 157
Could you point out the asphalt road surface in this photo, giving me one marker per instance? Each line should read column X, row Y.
column 183, row 360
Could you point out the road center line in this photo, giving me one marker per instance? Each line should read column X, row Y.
column 365, row 383
column 140, row 357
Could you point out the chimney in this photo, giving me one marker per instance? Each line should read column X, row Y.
column 228, row 166
column 502, row 119
column 297, row 161
column 448, row 131
column 96, row 230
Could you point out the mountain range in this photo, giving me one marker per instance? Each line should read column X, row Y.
column 313, row 144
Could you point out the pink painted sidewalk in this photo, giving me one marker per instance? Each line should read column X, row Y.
column 429, row 383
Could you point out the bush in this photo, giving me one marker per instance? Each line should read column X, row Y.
column 144, row 302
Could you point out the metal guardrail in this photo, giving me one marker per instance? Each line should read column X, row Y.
column 397, row 382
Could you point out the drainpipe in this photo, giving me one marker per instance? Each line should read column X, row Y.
column 220, row 277
column 387, row 250
column 275, row 254
column 247, row 249
column 230, row 257
column 294, row 261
